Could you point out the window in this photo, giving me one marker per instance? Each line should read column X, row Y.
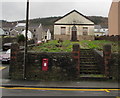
column 85, row 30
column 45, row 37
column 63, row 30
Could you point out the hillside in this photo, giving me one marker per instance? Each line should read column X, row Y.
column 98, row 20
column 49, row 21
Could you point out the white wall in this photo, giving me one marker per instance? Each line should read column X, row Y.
column 57, row 29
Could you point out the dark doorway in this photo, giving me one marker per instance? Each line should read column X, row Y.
column 74, row 33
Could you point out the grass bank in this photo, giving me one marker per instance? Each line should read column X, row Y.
column 66, row 46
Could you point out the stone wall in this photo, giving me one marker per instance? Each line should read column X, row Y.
column 9, row 40
column 110, row 38
column 114, row 67
column 60, row 67
column 99, row 59
column 16, row 63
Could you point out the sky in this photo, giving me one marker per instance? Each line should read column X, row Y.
column 13, row 10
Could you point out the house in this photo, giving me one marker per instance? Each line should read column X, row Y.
column 99, row 31
column 14, row 33
column 4, row 32
column 29, row 34
column 20, row 26
column 114, row 18
column 40, row 34
column 74, row 26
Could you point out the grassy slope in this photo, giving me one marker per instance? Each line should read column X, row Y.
column 51, row 46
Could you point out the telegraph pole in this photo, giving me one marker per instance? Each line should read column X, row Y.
column 25, row 50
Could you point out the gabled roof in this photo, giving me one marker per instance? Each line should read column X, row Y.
column 72, row 12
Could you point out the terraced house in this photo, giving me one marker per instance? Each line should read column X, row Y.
column 74, row 26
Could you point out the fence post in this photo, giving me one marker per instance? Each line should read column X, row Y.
column 76, row 57
column 107, row 58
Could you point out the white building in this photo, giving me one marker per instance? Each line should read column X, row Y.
column 74, row 26
column 20, row 26
column 2, row 32
column 99, row 31
column 29, row 34
column 48, row 35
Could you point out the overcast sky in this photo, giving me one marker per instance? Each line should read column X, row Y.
column 15, row 10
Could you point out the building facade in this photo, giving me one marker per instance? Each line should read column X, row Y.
column 74, row 26
column 114, row 18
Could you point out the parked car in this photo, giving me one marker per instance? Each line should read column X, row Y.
column 6, row 57
column 6, row 46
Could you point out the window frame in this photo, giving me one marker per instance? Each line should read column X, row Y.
column 63, row 29
column 85, row 31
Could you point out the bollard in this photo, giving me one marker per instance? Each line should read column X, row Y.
column 107, row 58
column 76, row 57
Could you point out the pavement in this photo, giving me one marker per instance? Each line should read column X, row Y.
column 60, row 84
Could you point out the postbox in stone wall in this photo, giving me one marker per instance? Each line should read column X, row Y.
column 44, row 64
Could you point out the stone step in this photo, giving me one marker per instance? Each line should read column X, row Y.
column 87, row 60
column 89, row 68
column 93, row 76
column 86, row 56
column 88, row 63
column 90, row 72
column 86, row 53
column 86, row 50
column 91, row 57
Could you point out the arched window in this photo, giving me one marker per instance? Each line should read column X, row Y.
column 74, row 28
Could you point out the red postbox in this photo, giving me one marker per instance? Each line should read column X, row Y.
column 45, row 64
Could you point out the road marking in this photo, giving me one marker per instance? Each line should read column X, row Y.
column 117, row 97
column 1, row 68
column 107, row 90
column 59, row 89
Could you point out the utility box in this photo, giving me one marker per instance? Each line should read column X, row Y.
column 45, row 64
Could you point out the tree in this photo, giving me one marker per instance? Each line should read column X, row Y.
column 20, row 39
